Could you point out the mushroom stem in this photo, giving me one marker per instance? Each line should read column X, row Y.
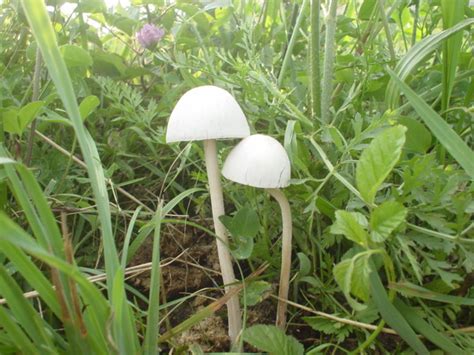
column 285, row 255
column 225, row 261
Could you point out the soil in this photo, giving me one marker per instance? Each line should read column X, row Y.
column 194, row 268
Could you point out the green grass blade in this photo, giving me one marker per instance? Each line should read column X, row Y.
column 392, row 316
column 97, row 312
column 441, row 130
column 152, row 329
column 16, row 334
column 35, row 11
column 453, row 13
column 128, row 236
column 173, row 202
column 32, row 275
column 412, row 290
column 424, row 328
column 416, row 55
column 24, row 313
column 126, row 336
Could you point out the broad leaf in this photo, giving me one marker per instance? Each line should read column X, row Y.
column 385, row 218
column 29, row 112
column 272, row 340
column 88, row 105
column 75, row 56
column 378, row 160
column 418, row 137
column 243, row 227
column 255, row 292
column 351, row 225
column 352, row 276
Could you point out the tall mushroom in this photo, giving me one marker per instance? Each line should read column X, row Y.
column 207, row 113
column 261, row 161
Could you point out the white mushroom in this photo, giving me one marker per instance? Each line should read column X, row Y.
column 208, row 113
column 261, row 161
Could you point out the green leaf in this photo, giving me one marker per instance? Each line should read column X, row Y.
column 272, row 340
column 305, row 264
column 352, row 276
column 418, row 137
column 378, row 160
column 351, row 225
column 441, row 130
column 153, row 327
column 88, row 105
column 11, row 124
column 416, row 55
column 411, row 290
column 255, row 292
column 392, row 316
column 243, row 227
column 29, row 112
column 75, row 56
column 453, row 13
column 385, row 218
column 367, row 9
column 419, row 324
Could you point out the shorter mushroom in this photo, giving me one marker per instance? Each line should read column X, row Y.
column 261, row 161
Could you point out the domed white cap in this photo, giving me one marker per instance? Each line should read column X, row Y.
column 206, row 112
column 258, row 161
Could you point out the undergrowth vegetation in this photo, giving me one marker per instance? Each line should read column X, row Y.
column 373, row 102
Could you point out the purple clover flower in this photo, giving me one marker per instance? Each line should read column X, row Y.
column 150, row 35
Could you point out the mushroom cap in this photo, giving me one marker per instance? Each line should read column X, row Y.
column 206, row 112
column 258, row 161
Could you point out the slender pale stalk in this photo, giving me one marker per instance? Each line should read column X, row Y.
column 225, row 261
column 291, row 44
column 329, row 57
column 285, row 255
column 315, row 70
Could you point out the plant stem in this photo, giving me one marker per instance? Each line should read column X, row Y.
column 225, row 261
column 329, row 56
column 383, row 16
column 315, row 70
column 285, row 256
column 34, row 97
column 415, row 22
column 292, row 42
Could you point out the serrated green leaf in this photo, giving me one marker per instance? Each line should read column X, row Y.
column 385, row 218
column 352, row 276
column 350, row 224
column 378, row 160
column 272, row 340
